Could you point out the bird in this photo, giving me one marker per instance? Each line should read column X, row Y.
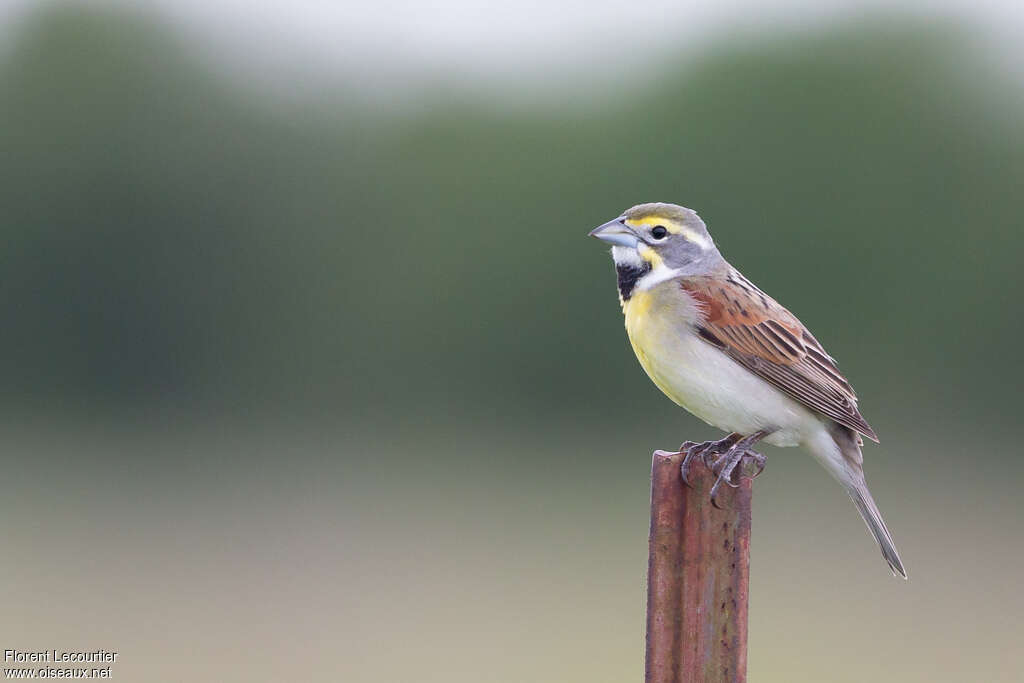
column 718, row 346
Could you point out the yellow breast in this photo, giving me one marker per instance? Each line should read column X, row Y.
column 649, row 323
column 661, row 324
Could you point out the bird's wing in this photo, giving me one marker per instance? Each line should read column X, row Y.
column 757, row 332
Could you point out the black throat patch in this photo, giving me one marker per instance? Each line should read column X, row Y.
column 628, row 275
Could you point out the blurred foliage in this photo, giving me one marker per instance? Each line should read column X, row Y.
column 170, row 237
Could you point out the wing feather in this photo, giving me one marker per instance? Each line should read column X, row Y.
column 757, row 332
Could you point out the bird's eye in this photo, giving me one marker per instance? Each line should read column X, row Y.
column 658, row 232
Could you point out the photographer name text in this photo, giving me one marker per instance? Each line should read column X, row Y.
column 56, row 656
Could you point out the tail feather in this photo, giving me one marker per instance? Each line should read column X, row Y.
column 876, row 525
column 839, row 451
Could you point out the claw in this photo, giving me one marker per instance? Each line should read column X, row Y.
column 723, row 457
column 701, row 450
column 692, row 451
column 758, row 461
column 725, row 473
column 725, row 467
column 714, row 495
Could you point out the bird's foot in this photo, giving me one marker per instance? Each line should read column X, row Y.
column 730, row 458
column 707, row 451
column 728, row 464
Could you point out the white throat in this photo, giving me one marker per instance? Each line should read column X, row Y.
column 660, row 273
column 626, row 256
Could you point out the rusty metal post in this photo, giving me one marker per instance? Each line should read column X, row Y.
column 697, row 577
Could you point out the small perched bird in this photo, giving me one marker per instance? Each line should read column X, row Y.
column 730, row 354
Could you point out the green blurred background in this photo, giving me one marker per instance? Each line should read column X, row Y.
column 313, row 373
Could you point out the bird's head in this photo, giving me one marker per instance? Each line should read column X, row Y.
column 652, row 243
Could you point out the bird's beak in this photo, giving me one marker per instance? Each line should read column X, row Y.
column 616, row 232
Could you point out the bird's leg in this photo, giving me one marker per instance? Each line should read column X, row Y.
column 726, row 464
column 703, row 450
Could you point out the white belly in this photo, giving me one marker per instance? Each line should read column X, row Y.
column 705, row 381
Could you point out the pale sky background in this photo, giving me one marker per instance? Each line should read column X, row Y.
column 525, row 39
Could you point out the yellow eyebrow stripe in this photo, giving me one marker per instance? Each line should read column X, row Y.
column 651, row 221
column 672, row 227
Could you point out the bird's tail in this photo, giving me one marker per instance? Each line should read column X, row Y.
column 839, row 452
column 876, row 525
